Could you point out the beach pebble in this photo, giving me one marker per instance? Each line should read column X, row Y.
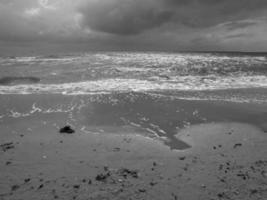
column 237, row 145
column 27, row 180
column 182, row 158
column 67, row 130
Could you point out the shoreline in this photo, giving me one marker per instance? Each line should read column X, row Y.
column 155, row 116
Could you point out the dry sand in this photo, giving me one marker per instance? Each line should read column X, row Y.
column 226, row 161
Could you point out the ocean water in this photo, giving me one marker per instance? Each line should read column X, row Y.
column 157, row 94
column 107, row 72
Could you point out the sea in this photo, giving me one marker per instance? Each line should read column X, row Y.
column 153, row 92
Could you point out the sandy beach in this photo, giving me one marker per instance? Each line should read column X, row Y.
column 124, row 147
column 133, row 100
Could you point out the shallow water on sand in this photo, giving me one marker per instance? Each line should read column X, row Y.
column 159, row 117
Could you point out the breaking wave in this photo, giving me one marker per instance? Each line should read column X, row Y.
column 184, row 83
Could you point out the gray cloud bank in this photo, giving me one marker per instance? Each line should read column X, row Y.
column 140, row 24
column 128, row 17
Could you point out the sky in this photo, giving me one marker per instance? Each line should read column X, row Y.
column 166, row 25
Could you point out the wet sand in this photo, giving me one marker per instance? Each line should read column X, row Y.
column 131, row 146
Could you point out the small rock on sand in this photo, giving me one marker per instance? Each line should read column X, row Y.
column 67, row 130
column 237, row 145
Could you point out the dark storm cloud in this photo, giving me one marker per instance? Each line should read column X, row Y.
column 240, row 35
column 125, row 17
column 240, row 24
column 128, row 17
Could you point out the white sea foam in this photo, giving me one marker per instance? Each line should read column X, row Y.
column 183, row 83
column 35, row 110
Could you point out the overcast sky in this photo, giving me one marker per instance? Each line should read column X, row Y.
column 195, row 25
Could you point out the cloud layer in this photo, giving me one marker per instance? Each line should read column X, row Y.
column 151, row 24
column 135, row 16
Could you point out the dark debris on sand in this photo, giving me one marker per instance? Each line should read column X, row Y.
column 15, row 187
column 67, row 130
column 127, row 172
column 237, row 145
column 123, row 181
column 6, row 146
column 122, row 172
column 246, row 174
column 102, row 177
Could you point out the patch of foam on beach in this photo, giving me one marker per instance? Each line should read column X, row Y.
column 183, row 83
column 35, row 109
